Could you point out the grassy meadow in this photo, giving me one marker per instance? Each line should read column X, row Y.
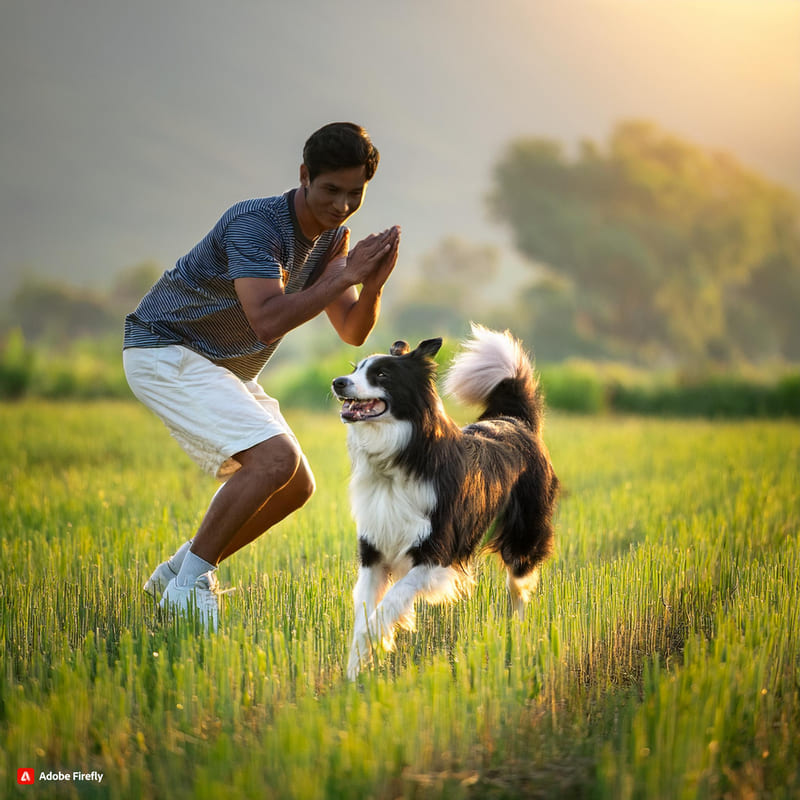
column 660, row 659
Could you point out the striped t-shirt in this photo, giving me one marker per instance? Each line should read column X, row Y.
column 195, row 304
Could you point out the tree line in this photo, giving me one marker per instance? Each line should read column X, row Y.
column 644, row 248
column 656, row 249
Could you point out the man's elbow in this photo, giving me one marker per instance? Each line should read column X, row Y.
column 354, row 335
column 266, row 334
column 354, row 340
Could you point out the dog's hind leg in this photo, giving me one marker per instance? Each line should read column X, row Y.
column 524, row 534
column 520, row 589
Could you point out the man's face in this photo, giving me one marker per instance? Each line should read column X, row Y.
column 332, row 197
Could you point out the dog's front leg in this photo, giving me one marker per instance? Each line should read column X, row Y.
column 433, row 582
column 369, row 589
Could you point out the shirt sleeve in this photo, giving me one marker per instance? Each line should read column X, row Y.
column 253, row 247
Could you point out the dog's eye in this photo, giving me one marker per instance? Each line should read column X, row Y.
column 380, row 373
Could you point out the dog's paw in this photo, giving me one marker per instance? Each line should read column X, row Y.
column 353, row 666
column 380, row 631
column 360, row 652
column 408, row 622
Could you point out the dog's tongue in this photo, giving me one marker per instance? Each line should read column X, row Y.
column 356, row 410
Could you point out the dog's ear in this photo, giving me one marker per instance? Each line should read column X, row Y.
column 429, row 347
column 399, row 348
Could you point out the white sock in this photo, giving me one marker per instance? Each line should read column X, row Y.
column 176, row 559
column 192, row 568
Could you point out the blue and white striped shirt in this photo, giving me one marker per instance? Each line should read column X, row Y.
column 195, row 304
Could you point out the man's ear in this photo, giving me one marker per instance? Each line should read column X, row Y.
column 429, row 347
column 304, row 177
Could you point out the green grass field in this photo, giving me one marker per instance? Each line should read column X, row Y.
column 660, row 659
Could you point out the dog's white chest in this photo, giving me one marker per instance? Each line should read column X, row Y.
column 392, row 510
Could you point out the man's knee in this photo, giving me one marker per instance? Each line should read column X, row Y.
column 304, row 477
column 277, row 458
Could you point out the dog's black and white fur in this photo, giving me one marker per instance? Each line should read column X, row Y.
column 425, row 492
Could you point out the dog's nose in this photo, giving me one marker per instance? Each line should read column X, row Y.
column 340, row 384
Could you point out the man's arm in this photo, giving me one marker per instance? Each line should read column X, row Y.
column 353, row 314
column 271, row 313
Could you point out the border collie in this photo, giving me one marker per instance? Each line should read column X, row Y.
column 425, row 493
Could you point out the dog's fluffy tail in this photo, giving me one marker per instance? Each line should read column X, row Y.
column 493, row 370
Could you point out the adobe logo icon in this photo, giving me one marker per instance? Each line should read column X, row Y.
column 25, row 776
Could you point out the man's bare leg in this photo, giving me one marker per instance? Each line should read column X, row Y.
column 266, row 469
column 282, row 503
column 277, row 506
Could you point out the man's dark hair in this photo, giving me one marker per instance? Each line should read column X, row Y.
column 340, row 145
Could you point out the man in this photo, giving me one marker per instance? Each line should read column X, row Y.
column 198, row 340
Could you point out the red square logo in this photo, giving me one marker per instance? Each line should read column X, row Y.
column 25, row 776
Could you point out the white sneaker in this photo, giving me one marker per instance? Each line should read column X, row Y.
column 201, row 598
column 157, row 582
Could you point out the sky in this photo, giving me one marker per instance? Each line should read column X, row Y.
column 129, row 127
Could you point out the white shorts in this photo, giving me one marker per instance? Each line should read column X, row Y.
column 209, row 411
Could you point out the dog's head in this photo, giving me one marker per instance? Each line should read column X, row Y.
column 389, row 387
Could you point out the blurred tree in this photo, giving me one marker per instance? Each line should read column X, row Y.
column 445, row 297
column 55, row 313
column 46, row 310
column 667, row 247
column 546, row 318
column 132, row 283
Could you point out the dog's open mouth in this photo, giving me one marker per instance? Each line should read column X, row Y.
column 358, row 410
